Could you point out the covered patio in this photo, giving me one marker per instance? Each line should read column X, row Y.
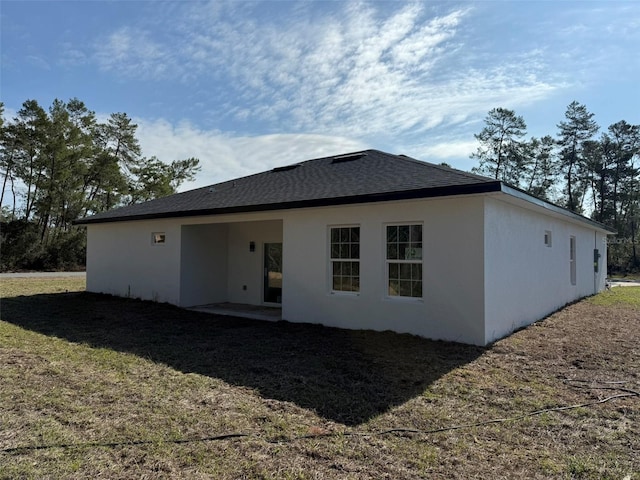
column 231, row 263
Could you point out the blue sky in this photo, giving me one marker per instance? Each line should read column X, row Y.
column 249, row 86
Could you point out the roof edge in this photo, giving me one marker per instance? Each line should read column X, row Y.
column 469, row 189
column 522, row 195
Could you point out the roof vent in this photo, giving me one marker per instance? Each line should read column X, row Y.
column 285, row 168
column 347, row 158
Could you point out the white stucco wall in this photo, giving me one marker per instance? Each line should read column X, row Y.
column 524, row 279
column 245, row 267
column 121, row 260
column 204, row 262
column 453, row 303
column 486, row 269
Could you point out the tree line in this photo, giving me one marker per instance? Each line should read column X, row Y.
column 61, row 164
column 593, row 175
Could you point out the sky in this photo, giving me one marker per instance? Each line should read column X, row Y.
column 248, row 86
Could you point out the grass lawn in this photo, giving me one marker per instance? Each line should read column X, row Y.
column 100, row 387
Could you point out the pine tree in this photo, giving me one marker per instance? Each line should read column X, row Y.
column 501, row 151
column 578, row 127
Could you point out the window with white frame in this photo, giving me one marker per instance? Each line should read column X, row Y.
column 404, row 260
column 158, row 238
column 547, row 238
column 345, row 259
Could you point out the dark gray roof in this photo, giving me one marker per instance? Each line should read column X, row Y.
column 359, row 177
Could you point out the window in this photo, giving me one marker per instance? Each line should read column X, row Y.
column 547, row 238
column 404, row 261
column 158, row 238
column 572, row 259
column 345, row 259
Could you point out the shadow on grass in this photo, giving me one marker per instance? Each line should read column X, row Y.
column 345, row 376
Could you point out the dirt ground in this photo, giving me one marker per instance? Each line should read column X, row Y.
column 101, row 387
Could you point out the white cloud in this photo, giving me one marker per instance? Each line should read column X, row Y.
column 224, row 157
column 70, row 55
column 342, row 78
column 131, row 52
column 38, row 62
column 444, row 151
column 357, row 70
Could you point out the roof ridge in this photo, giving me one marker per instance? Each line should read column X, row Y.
column 330, row 157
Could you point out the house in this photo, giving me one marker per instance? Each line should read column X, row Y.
column 366, row 240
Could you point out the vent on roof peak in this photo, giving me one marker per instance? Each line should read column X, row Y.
column 347, row 158
column 285, row 168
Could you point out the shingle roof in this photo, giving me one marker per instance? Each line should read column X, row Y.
column 359, row 177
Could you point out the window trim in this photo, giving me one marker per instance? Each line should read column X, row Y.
column 158, row 238
column 572, row 260
column 388, row 262
column 332, row 260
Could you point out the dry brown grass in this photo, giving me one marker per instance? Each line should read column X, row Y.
column 95, row 386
